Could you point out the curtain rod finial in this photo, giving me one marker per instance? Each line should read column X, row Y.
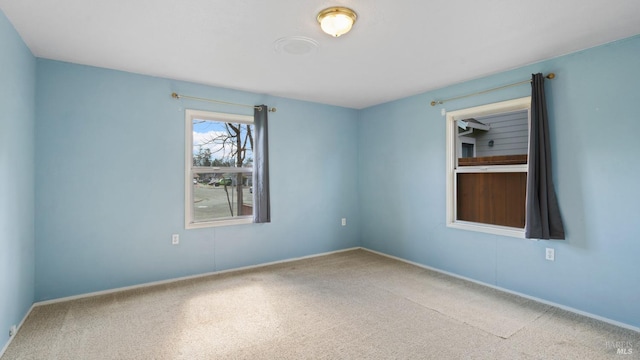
column 273, row 109
column 551, row 76
column 175, row 96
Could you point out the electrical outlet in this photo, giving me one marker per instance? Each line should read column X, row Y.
column 13, row 330
column 344, row 221
column 175, row 239
column 550, row 254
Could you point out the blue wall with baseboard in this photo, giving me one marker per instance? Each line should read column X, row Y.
column 110, row 182
column 17, row 118
column 593, row 116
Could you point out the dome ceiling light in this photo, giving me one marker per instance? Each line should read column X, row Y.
column 336, row 21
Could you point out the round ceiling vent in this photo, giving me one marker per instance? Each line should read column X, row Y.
column 296, row 45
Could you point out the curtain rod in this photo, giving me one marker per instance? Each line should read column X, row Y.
column 549, row 76
column 179, row 96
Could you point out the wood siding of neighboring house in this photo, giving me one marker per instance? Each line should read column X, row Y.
column 509, row 133
column 492, row 198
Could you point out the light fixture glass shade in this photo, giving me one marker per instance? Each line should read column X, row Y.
column 336, row 21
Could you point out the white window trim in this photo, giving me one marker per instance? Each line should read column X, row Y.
column 189, row 169
column 451, row 163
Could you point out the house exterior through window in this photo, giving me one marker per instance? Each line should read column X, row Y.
column 487, row 153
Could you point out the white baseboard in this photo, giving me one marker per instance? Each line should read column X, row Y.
column 169, row 281
column 6, row 346
column 546, row 302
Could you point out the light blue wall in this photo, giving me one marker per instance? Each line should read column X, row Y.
column 110, row 182
column 17, row 116
column 593, row 110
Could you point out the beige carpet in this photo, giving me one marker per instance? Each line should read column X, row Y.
column 350, row 305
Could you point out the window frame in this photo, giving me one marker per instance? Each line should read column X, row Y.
column 452, row 169
column 190, row 115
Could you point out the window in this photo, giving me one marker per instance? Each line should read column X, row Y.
column 487, row 154
column 467, row 147
column 219, row 169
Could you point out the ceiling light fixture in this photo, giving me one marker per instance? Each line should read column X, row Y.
column 336, row 21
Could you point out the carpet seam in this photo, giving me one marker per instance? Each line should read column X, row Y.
column 440, row 312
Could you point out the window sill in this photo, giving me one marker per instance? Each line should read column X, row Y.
column 489, row 229
column 217, row 223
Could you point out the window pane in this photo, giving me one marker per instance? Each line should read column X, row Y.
column 487, row 158
column 492, row 198
column 220, row 144
column 467, row 150
column 499, row 139
column 222, row 195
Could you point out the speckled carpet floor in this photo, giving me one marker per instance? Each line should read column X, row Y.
column 349, row 305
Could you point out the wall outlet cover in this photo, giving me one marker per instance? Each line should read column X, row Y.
column 550, row 254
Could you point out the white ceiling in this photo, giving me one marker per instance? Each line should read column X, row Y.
column 396, row 48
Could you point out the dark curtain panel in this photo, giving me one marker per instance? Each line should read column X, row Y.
column 261, row 205
column 543, row 214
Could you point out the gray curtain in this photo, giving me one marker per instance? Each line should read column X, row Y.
column 261, row 204
column 543, row 213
